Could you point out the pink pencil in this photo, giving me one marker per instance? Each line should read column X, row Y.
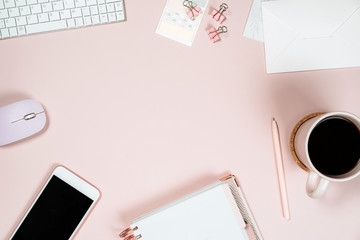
column 280, row 170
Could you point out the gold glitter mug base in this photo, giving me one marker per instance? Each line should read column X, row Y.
column 292, row 139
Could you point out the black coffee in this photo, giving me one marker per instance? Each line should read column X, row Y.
column 334, row 146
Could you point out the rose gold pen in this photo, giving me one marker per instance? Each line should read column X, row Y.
column 280, row 170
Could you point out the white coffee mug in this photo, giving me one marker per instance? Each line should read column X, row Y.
column 317, row 182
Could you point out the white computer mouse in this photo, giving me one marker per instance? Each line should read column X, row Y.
column 20, row 120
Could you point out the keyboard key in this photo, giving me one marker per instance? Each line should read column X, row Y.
column 110, row 7
column 21, row 30
column 4, row 14
column 58, row 5
column 71, row 23
column 119, row 6
column 80, row 3
column 43, row 17
column 20, row 21
column 54, row 16
column 47, row 7
column 93, row 9
column 85, row 11
column 102, row 9
column 5, row 33
column 9, row 3
column 2, row 4
column 14, row 12
column 32, row 19
column 20, row 3
column 112, row 17
column 76, row 12
column 69, row 4
column 2, row 24
column 13, row 32
column 120, row 16
column 45, row 27
column 104, row 18
column 79, row 22
column 31, row 2
column 25, row 10
column 101, row 1
column 35, row 9
column 10, row 22
column 91, row 2
column 65, row 14
column 95, row 19
column 87, row 21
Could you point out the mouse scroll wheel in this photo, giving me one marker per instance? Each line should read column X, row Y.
column 29, row 116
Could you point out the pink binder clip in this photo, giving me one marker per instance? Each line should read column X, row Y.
column 214, row 34
column 194, row 10
column 218, row 14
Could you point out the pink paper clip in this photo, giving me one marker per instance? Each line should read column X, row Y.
column 194, row 10
column 214, row 34
column 218, row 14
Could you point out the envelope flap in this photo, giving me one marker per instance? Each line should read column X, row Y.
column 350, row 31
column 313, row 18
column 320, row 53
column 278, row 36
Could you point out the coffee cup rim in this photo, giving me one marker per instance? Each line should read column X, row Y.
column 338, row 178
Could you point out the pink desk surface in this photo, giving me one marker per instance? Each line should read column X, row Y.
column 148, row 120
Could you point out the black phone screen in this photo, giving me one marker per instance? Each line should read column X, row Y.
column 56, row 213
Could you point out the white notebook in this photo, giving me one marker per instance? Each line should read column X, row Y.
column 212, row 213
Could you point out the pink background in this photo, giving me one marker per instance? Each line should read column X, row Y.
column 148, row 120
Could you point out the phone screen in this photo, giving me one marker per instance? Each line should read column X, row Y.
column 56, row 213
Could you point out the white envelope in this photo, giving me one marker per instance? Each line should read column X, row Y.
column 311, row 34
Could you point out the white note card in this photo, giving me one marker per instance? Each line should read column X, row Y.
column 206, row 215
column 254, row 28
column 177, row 25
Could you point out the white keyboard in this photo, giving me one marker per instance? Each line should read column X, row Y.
column 24, row 17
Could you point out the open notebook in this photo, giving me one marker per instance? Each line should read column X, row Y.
column 216, row 212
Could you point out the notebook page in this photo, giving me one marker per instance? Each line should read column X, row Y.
column 254, row 28
column 208, row 215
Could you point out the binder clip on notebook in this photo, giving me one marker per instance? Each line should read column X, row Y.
column 128, row 234
column 214, row 34
column 194, row 10
column 218, row 14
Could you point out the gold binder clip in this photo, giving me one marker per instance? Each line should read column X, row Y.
column 125, row 232
column 128, row 234
column 229, row 177
column 133, row 237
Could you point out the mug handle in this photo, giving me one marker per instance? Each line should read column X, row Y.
column 316, row 185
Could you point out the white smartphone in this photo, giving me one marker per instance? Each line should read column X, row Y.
column 59, row 209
